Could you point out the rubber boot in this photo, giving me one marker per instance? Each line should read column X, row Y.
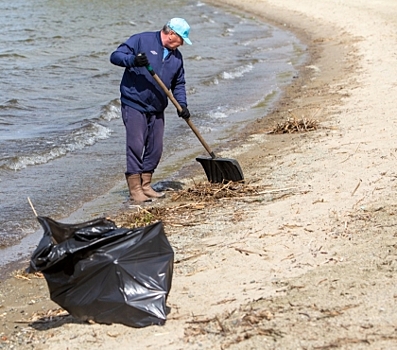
column 135, row 187
column 148, row 191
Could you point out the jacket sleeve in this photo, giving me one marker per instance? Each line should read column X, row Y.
column 124, row 55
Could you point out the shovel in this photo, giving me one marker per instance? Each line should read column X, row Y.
column 218, row 170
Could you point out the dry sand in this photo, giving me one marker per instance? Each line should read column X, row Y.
column 310, row 263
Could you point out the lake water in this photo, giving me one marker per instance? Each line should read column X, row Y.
column 61, row 133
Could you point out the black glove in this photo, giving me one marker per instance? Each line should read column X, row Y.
column 141, row 60
column 184, row 113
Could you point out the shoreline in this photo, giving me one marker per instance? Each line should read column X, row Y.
column 310, row 269
column 99, row 207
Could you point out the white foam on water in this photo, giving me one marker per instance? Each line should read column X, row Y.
column 238, row 72
column 86, row 136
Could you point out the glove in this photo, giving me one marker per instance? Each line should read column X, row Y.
column 141, row 60
column 184, row 113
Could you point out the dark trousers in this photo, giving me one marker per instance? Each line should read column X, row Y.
column 144, row 140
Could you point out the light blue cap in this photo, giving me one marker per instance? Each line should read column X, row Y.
column 180, row 27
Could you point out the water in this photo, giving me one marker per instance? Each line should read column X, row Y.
column 61, row 135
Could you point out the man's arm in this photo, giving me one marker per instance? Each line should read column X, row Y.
column 125, row 55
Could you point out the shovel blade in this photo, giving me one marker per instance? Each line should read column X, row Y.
column 220, row 170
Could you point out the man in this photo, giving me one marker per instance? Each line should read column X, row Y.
column 143, row 102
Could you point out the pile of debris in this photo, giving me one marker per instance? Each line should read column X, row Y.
column 295, row 125
column 186, row 203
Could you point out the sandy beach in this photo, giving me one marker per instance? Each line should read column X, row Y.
column 308, row 263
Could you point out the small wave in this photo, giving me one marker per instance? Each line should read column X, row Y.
column 11, row 55
column 238, row 72
column 217, row 115
column 228, row 32
column 12, row 104
column 196, row 58
column 191, row 91
column 5, row 121
column 223, row 112
column 111, row 110
column 85, row 136
column 97, row 54
column 233, row 74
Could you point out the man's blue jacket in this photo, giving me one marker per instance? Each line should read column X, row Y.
column 138, row 88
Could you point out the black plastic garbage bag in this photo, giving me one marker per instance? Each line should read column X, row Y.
column 99, row 272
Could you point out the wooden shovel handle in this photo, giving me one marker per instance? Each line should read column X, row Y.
column 179, row 108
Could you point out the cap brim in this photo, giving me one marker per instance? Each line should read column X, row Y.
column 187, row 41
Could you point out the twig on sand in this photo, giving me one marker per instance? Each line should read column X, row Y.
column 277, row 190
column 351, row 154
column 356, row 188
